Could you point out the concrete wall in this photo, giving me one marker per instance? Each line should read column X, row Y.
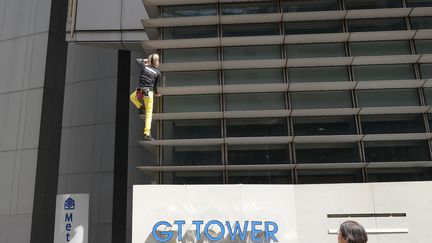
column 88, row 133
column 23, row 45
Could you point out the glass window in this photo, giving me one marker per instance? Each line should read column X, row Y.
column 384, row 98
column 310, row 5
column 189, row 10
column 324, row 125
column 191, row 103
column 399, row 174
column 192, row 155
column 189, row 178
column 366, row 4
column 426, row 71
column 327, row 153
column 430, row 121
column 258, row 154
column 381, row 124
column 184, row 129
column 428, row 95
column 419, row 3
column 255, row 101
column 384, row 72
column 418, row 23
column 253, row 76
column 329, row 176
column 257, row 127
column 377, row 48
column 361, row 25
column 316, row 50
column 383, row 151
column 260, row 177
column 251, row 52
column 190, row 55
column 313, row 27
column 193, row 78
column 179, row 32
column 249, row 8
column 423, row 46
column 321, row 99
column 318, row 74
column 230, row 30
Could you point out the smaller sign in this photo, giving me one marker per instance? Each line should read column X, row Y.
column 71, row 222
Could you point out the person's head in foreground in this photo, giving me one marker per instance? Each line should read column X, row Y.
column 352, row 232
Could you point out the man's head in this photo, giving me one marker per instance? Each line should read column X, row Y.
column 153, row 60
column 352, row 232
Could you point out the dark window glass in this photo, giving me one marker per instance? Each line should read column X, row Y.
column 396, row 151
column 191, row 103
column 184, row 129
column 252, row 52
column 332, row 125
column 423, row 46
column 321, row 99
column 257, row 127
column 316, row 50
column 310, row 5
column 366, row 4
column 430, row 121
column 418, row 23
column 230, row 30
column 399, row 174
column 376, row 124
column 192, row 155
column 318, row 74
column 258, row 154
column 361, row 25
column 190, row 55
column 200, row 177
column 377, row 48
column 249, row 8
column 259, row 177
column 189, row 10
column 419, row 3
column 428, row 95
column 327, row 153
column 426, row 71
column 255, row 101
column 313, row 27
column 384, row 72
column 253, row 76
column 389, row 97
column 193, row 78
column 205, row 31
column 329, row 176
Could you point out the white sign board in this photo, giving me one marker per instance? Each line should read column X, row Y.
column 71, row 222
column 213, row 213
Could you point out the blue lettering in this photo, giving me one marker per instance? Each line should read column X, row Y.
column 179, row 224
column 198, row 224
column 255, row 231
column 221, row 234
column 168, row 234
column 270, row 234
column 237, row 228
column 67, row 237
column 68, row 227
column 68, row 217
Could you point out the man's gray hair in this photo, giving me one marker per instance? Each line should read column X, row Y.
column 353, row 232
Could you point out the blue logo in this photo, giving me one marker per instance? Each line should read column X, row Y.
column 69, row 204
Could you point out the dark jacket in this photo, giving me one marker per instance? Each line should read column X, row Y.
column 150, row 76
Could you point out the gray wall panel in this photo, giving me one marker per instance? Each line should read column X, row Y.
column 7, row 168
column 17, row 18
column 26, row 185
column 12, row 64
column 37, row 57
column 42, row 15
column 98, row 14
column 32, row 118
column 9, row 104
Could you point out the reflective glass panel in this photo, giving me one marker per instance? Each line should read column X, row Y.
column 389, row 97
column 255, row 101
column 369, row 4
column 377, row 48
column 194, row 177
column 249, row 8
column 418, row 23
column 318, row 74
column 230, row 30
column 324, row 125
column 257, row 127
column 188, row 32
column 260, row 177
column 426, row 71
column 327, row 153
column 423, row 46
column 253, row 76
column 187, row 129
column 192, row 78
column 190, row 55
column 361, row 25
column 321, row 99
column 191, row 103
column 383, row 72
column 399, row 174
column 313, row 27
column 189, row 10
column 258, row 154
column 316, row 50
column 329, row 176
column 192, row 155
column 310, row 5
column 419, row 3
column 383, row 151
column 380, row 124
column 252, row 52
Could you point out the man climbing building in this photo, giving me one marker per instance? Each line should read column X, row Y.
column 148, row 83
